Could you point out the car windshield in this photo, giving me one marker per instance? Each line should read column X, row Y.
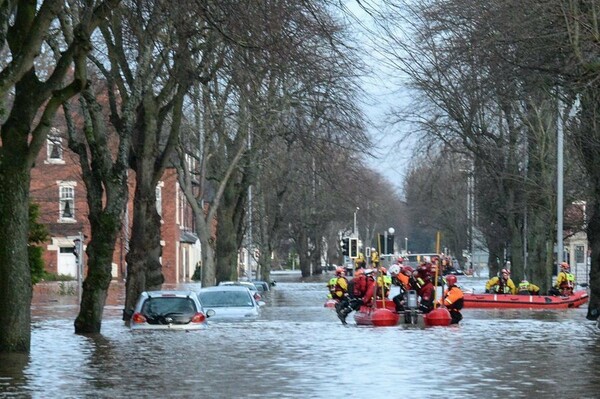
column 161, row 306
column 260, row 287
column 225, row 298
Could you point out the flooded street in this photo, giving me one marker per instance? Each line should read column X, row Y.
column 299, row 349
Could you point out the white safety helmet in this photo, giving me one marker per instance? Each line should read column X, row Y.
column 394, row 270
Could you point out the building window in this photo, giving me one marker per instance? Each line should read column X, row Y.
column 159, row 198
column 55, row 147
column 67, row 202
column 579, row 258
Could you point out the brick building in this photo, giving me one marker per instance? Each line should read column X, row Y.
column 57, row 187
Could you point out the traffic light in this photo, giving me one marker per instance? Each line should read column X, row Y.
column 390, row 244
column 389, row 248
column 345, row 244
column 354, row 248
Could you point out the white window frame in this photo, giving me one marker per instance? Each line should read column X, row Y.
column 54, row 142
column 66, row 194
column 158, row 193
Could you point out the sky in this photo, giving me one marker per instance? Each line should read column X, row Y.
column 383, row 93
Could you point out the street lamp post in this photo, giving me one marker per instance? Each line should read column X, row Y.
column 78, row 252
column 355, row 229
column 406, row 245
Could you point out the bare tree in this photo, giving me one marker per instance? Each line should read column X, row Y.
column 285, row 84
column 489, row 93
column 31, row 100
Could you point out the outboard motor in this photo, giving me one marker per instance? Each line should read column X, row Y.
column 411, row 315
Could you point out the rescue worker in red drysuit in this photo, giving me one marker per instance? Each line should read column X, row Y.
column 425, row 288
column 360, row 283
column 371, row 286
column 453, row 299
column 406, row 281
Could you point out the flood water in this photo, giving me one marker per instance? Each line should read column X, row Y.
column 299, row 349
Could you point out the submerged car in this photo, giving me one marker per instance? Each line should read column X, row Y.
column 169, row 310
column 251, row 286
column 262, row 286
column 230, row 302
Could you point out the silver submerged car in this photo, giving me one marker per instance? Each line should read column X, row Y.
column 169, row 310
column 230, row 302
column 253, row 289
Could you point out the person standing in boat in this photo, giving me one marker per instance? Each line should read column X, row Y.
column 402, row 276
column 453, row 299
column 384, row 283
column 565, row 281
column 526, row 288
column 374, row 258
column 360, row 262
column 425, row 288
column 501, row 284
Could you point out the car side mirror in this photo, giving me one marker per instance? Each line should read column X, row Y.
column 261, row 303
column 210, row 313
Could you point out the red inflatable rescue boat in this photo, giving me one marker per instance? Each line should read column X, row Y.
column 507, row 301
column 383, row 315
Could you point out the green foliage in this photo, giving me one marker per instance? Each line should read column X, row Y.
column 38, row 233
column 36, row 264
column 197, row 273
column 57, row 277
column 66, row 289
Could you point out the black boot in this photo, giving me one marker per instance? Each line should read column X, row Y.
column 343, row 313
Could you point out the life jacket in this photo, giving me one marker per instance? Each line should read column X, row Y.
column 339, row 291
column 386, row 283
column 457, row 304
column 523, row 288
column 502, row 287
column 567, row 286
column 569, row 282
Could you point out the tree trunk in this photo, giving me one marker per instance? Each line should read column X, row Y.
column 537, row 254
column 495, row 254
column 95, row 287
column 144, row 271
column 107, row 188
column 226, row 250
column 303, row 256
column 593, row 232
column 15, row 276
column 587, row 138
column 208, row 259
column 230, row 232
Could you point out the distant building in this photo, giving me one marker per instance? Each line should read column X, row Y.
column 57, row 187
column 576, row 245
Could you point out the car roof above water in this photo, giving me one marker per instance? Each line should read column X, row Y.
column 227, row 287
column 168, row 293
